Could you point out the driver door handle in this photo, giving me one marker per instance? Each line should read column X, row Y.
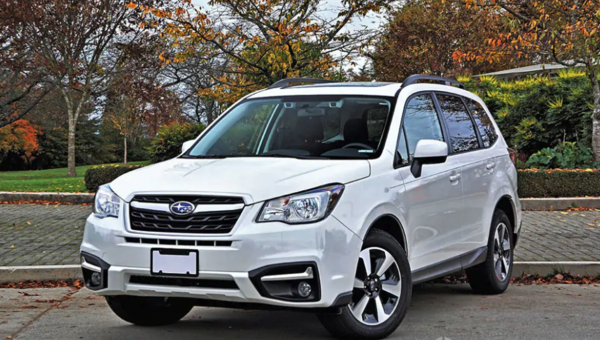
column 454, row 178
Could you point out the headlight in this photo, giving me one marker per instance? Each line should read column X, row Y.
column 106, row 203
column 310, row 206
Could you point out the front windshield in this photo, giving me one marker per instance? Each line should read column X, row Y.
column 345, row 127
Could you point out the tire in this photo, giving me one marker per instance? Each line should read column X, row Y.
column 397, row 279
column 492, row 277
column 149, row 311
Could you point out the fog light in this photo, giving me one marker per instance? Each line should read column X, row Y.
column 304, row 289
column 95, row 279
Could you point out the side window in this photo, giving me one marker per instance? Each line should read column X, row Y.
column 484, row 123
column 421, row 121
column 460, row 126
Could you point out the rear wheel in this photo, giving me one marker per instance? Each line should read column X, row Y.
column 381, row 294
column 149, row 311
column 493, row 276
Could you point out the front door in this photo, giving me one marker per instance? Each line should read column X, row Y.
column 432, row 202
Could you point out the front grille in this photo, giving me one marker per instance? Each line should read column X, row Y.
column 192, row 199
column 212, row 222
column 199, row 243
column 179, row 282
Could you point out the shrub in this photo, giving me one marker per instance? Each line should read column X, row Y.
column 99, row 175
column 567, row 155
column 170, row 138
column 559, row 183
column 539, row 112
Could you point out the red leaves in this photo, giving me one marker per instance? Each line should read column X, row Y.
column 20, row 136
column 43, row 284
column 556, row 279
column 43, row 203
column 558, row 170
column 530, row 279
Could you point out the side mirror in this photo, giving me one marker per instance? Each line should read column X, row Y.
column 428, row 151
column 187, row 145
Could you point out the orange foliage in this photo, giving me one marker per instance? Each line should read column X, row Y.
column 20, row 136
column 263, row 41
column 564, row 31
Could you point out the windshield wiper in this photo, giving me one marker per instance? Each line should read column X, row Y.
column 204, row 156
column 288, row 155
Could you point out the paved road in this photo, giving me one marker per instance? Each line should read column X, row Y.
column 47, row 235
column 524, row 312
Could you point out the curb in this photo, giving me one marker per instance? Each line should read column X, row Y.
column 40, row 273
column 551, row 268
column 561, row 203
column 47, row 196
column 72, row 272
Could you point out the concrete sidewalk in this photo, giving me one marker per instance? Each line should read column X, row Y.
column 50, row 235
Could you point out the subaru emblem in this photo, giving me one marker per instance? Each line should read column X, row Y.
column 182, row 208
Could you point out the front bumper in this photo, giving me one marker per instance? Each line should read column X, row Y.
column 248, row 249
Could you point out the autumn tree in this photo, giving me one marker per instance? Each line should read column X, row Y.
column 23, row 82
column 263, row 40
column 567, row 32
column 137, row 100
column 19, row 137
column 69, row 38
column 426, row 36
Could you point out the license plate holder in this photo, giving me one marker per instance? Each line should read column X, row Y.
column 174, row 262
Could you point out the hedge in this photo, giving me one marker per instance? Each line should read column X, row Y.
column 559, row 183
column 99, row 175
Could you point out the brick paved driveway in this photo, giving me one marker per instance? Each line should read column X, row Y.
column 44, row 235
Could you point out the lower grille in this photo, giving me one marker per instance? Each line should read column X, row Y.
column 199, row 243
column 218, row 222
column 178, row 282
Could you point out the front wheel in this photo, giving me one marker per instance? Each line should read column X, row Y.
column 149, row 311
column 381, row 294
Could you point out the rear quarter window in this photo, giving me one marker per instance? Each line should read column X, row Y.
column 484, row 123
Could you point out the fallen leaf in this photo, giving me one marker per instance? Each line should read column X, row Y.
column 28, row 294
column 559, row 277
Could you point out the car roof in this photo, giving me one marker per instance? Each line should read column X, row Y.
column 352, row 88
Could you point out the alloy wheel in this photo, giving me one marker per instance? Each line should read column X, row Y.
column 377, row 287
column 502, row 252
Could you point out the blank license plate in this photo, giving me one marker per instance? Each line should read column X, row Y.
column 174, row 262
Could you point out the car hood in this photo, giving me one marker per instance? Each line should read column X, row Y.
column 256, row 179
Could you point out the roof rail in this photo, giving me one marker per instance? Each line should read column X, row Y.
column 414, row 79
column 286, row 82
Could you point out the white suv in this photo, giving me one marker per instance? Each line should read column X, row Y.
column 333, row 198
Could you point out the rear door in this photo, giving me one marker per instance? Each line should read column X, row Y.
column 466, row 149
column 432, row 202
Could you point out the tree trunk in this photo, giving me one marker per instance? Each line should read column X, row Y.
column 71, row 144
column 596, row 114
column 125, row 150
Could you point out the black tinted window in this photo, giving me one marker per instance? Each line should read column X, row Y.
column 484, row 123
column 403, row 148
column 420, row 122
column 460, row 126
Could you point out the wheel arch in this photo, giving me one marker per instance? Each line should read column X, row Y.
column 391, row 225
column 506, row 204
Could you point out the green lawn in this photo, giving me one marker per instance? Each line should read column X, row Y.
column 53, row 180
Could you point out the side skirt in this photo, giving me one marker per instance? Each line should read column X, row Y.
column 450, row 266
